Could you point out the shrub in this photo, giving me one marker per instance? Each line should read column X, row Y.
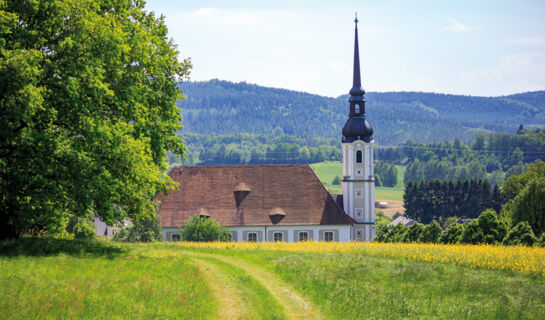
column 430, row 233
column 451, row 234
column 204, row 229
column 521, row 234
column 472, row 233
column 382, row 232
column 397, row 233
column 83, row 231
column 414, row 232
column 493, row 229
column 148, row 230
column 541, row 240
column 336, row 181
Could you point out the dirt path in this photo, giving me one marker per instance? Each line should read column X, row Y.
column 295, row 306
column 230, row 303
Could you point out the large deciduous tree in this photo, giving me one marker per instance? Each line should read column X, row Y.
column 88, row 94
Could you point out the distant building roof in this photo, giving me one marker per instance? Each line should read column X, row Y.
column 403, row 220
column 250, row 195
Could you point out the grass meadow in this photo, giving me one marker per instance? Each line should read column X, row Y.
column 41, row 279
column 64, row 279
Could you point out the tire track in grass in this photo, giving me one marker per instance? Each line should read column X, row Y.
column 257, row 301
column 295, row 306
column 230, row 305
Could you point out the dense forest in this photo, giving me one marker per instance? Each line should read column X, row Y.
column 493, row 155
column 222, row 107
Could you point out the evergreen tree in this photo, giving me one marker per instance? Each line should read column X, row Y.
column 521, row 234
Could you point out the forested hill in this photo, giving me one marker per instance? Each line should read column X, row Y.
column 224, row 107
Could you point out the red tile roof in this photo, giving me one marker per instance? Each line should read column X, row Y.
column 250, row 195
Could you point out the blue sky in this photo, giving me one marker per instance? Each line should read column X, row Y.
column 484, row 48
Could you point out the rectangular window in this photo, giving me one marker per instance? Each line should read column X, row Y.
column 359, row 212
column 328, row 236
column 303, row 236
column 277, row 236
column 252, row 237
column 359, row 234
column 175, row 237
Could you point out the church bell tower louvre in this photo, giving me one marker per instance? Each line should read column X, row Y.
column 357, row 154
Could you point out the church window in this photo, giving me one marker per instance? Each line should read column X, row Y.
column 359, row 213
column 175, row 237
column 359, row 193
column 303, row 236
column 328, row 236
column 252, row 237
column 358, row 156
column 358, row 172
column 357, row 108
column 277, row 236
column 359, row 234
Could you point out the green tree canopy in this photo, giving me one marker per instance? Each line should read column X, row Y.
column 88, row 111
column 529, row 205
column 493, row 229
column 204, row 229
column 521, row 234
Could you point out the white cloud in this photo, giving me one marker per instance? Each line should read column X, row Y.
column 457, row 26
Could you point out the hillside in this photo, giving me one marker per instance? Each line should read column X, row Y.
column 224, row 107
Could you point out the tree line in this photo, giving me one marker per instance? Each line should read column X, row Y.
column 432, row 200
column 495, row 156
column 521, row 205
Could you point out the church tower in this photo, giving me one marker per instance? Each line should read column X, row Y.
column 358, row 182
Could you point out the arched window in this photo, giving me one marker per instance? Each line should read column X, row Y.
column 303, row 236
column 252, row 237
column 277, row 236
column 358, row 156
column 357, row 108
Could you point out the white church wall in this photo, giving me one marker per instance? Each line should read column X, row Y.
column 342, row 233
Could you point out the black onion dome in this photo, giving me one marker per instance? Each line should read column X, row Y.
column 357, row 129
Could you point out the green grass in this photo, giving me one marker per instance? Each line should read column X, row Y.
column 400, row 176
column 357, row 287
column 71, row 279
column 258, row 302
column 385, row 193
column 328, row 170
column 42, row 279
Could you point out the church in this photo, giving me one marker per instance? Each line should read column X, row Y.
column 284, row 202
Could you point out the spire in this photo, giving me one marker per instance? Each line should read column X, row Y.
column 357, row 127
column 356, row 90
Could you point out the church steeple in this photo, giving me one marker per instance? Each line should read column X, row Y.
column 357, row 90
column 357, row 127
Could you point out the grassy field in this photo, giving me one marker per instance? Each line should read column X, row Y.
column 328, row 170
column 43, row 279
